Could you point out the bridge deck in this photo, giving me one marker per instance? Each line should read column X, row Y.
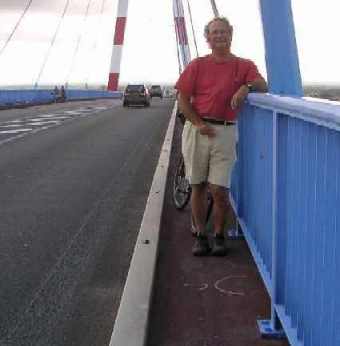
column 204, row 301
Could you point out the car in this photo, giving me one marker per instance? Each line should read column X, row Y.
column 156, row 91
column 136, row 94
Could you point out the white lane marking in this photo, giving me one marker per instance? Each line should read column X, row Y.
column 91, row 109
column 43, row 123
column 84, row 110
column 15, row 131
column 49, row 115
column 100, row 108
column 36, row 119
column 75, row 112
column 10, row 125
column 55, row 117
column 43, row 120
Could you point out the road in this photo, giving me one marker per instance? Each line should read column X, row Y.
column 74, row 182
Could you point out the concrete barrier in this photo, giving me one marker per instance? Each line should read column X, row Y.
column 132, row 319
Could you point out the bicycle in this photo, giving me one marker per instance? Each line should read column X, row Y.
column 181, row 188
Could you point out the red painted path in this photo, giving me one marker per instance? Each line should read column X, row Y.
column 205, row 301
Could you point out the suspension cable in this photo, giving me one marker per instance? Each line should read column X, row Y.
column 16, row 26
column 78, row 43
column 192, row 27
column 94, row 46
column 214, row 8
column 178, row 53
column 184, row 56
column 51, row 44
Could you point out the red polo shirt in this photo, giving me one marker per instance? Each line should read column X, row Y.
column 212, row 84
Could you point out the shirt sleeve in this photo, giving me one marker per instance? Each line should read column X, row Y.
column 252, row 72
column 187, row 79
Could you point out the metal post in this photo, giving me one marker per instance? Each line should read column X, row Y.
column 181, row 33
column 281, row 50
column 118, row 44
column 272, row 328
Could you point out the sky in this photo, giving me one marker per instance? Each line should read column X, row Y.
column 49, row 48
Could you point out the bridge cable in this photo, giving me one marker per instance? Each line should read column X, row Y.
column 192, row 27
column 16, row 26
column 78, row 44
column 178, row 43
column 51, row 44
column 178, row 53
column 183, row 52
column 214, row 8
column 94, row 46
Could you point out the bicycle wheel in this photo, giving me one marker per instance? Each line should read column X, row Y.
column 181, row 187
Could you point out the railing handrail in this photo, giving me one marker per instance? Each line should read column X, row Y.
column 322, row 112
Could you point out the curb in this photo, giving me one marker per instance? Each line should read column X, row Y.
column 131, row 323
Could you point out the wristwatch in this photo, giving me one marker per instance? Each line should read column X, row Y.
column 250, row 87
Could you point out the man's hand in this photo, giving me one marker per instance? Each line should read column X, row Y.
column 239, row 97
column 186, row 107
column 206, row 130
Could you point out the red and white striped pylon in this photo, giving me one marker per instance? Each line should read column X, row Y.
column 181, row 33
column 118, row 44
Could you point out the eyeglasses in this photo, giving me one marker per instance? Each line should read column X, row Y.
column 217, row 32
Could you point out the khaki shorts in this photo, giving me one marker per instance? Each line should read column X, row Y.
column 209, row 159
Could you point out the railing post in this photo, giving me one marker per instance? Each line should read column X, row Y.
column 236, row 232
column 272, row 328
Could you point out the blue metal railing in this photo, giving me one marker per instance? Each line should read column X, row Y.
column 285, row 190
column 12, row 98
column 82, row 94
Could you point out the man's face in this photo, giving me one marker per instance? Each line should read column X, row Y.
column 219, row 35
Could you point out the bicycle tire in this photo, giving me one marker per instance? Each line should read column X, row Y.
column 181, row 188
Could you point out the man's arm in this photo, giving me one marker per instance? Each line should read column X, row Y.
column 257, row 85
column 185, row 107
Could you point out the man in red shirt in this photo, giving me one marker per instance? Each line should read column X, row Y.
column 210, row 91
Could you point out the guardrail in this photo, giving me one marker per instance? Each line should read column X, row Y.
column 78, row 94
column 22, row 98
column 286, row 193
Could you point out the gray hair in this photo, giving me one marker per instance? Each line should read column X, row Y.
column 222, row 19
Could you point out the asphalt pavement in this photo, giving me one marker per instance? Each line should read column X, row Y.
column 73, row 191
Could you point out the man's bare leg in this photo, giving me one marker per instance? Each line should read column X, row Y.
column 221, row 208
column 199, row 210
column 199, row 206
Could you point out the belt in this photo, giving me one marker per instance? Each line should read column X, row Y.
column 219, row 121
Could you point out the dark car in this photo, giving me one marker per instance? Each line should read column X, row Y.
column 136, row 94
column 156, row 91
